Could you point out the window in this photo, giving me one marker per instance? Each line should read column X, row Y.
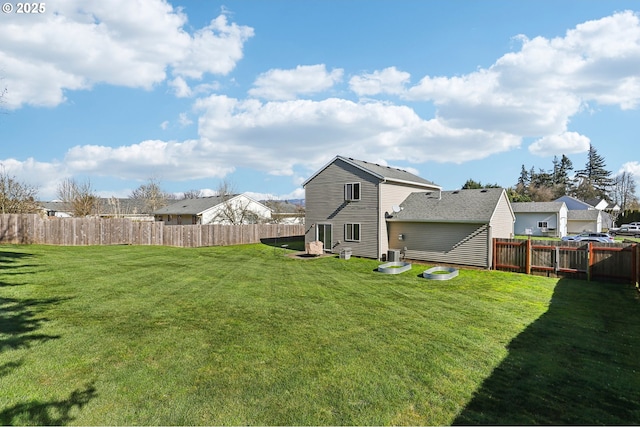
column 352, row 191
column 352, row 232
column 543, row 224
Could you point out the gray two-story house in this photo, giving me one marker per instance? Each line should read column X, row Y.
column 349, row 200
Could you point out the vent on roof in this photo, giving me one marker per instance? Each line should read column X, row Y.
column 484, row 190
column 455, row 192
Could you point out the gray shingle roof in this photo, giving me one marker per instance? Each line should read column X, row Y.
column 538, row 207
column 583, row 214
column 475, row 206
column 384, row 173
column 190, row 206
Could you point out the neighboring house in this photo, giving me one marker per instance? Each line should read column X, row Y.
column 587, row 220
column 284, row 212
column 110, row 207
column 235, row 209
column 579, row 222
column 604, row 205
column 347, row 202
column 56, row 209
column 541, row 218
column 453, row 227
column 573, row 203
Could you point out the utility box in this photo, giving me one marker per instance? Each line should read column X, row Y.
column 393, row 255
column 345, row 253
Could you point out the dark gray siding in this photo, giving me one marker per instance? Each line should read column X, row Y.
column 450, row 243
column 325, row 204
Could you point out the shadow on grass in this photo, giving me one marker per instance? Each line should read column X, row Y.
column 576, row 364
column 58, row 412
column 295, row 243
column 20, row 320
column 9, row 260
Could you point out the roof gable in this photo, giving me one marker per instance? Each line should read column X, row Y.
column 477, row 206
column 537, row 207
column 382, row 173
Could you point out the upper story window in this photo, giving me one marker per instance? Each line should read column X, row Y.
column 352, row 191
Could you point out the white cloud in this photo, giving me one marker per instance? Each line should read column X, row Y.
column 633, row 168
column 184, row 120
column 164, row 125
column 533, row 92
column 275, row 136
column 390, row 80
column 214, row 49
column 565, row 143
column 288, row 84
column 78, row 44
column 178, row 161
column 43, row 175
column 180, row 87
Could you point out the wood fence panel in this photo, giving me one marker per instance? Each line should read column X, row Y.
column 24, row 229
column 582, row 260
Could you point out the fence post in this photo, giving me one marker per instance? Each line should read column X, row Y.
column 589, row 260
column 527, row 262
column 493, row 253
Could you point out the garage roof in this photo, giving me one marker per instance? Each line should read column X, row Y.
column 476, row 206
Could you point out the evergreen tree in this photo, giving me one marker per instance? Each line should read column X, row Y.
column 594, row 180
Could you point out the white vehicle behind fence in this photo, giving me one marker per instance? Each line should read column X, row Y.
column 589, row 237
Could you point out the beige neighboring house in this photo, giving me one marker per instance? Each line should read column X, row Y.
column 235, row 209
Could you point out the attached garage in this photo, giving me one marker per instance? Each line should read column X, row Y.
column 452, row 227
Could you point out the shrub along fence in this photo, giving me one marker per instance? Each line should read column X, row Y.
column 582, row 260
column 34, row 229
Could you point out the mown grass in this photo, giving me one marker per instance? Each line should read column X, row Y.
column 244, row 335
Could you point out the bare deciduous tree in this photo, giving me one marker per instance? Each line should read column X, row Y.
column 79, row 196
column 623, row 191
column 16, row 196
column 233, row 210
column 152, row 194
column 192, row 194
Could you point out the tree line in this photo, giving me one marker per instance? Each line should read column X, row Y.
column 594, row 181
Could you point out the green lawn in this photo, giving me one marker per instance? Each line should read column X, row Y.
column 245, row 335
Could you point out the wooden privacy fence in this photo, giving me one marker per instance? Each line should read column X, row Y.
column 28, row 229
column 584, row 260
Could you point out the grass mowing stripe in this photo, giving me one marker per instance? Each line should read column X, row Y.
column 245, row 335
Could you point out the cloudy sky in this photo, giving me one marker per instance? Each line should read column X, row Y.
column 262, row 93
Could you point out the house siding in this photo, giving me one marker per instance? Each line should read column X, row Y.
column 390, row 195
column 502, row 220
column 450, row 243
column 325, row 204
column 578, row 226
column 529, row 220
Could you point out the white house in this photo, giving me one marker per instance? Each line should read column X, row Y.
column 597, row 220
column 235, row 209
column 541, row 218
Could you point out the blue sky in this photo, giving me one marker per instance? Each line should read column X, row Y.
column 263, row 93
